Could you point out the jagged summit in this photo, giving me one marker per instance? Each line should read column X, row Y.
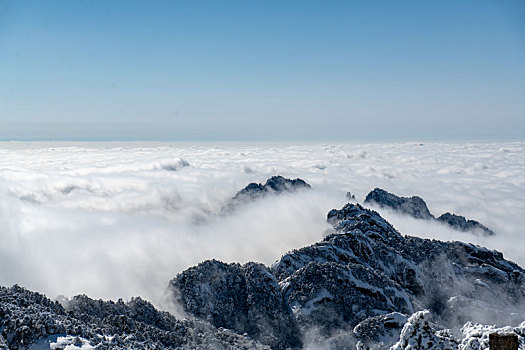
column 460, row 223
column 274, row 185
column 417, row 208
column 414, row 206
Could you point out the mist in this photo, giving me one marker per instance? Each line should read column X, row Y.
column 116, row 220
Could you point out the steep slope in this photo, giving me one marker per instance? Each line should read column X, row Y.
column 452, row 279
column 244, row 298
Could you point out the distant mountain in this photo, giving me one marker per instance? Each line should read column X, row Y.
column 413, row 206
column 460, row 223
column 274, row 185
column 417, row 208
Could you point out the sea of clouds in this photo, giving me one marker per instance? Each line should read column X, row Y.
column 116, row 220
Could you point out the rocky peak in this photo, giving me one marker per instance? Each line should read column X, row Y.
column 414, row 206
column 417, row 208
column 275, row 184
column 460, row 223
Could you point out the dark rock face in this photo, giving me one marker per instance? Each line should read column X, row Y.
column 417, row 208
column 275, row 184
column 244, row 298
column 29, row 318
column 414, row 206
column 460, row 223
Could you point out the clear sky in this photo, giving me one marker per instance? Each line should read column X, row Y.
column 262, row 70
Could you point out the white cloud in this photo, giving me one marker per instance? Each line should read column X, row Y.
column 118, row 220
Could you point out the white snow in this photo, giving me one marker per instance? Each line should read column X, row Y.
column 420, row 333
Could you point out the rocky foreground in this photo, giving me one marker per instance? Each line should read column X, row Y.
column 364, row 286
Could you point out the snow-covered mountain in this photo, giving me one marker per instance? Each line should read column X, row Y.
column 365, row 279
column 363, row 286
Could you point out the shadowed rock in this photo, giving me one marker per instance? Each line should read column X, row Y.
column 460, row 223
column 244, row 298
column 417, row 208
column 414, row 206
column 274, row 185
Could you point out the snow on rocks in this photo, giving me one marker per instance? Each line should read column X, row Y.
column 420, row 333
column 30, row 320
column 246, row 299
column 355, row 276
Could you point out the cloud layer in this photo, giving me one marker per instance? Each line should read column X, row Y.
column 118, row 220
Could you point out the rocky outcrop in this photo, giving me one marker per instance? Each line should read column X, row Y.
column 460, row 223
column 244, row 298
column 417, row 208
column 274, row 185
column 413, row 206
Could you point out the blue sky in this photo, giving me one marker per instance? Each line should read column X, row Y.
column 262, row 70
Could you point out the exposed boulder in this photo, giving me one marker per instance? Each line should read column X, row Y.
column 460, row 223
column 414, row 206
